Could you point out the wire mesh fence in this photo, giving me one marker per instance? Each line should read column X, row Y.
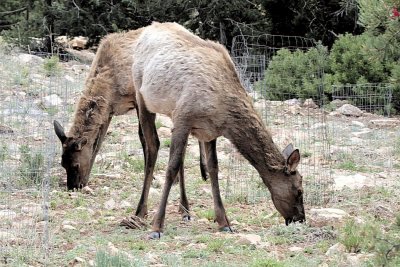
column 371, row 97
column 33, row 94
column 291, row 115
column 366, row 142
column 285, row 76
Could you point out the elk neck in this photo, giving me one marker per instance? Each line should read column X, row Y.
column 249, row 135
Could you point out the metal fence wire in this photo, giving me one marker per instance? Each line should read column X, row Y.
column 370, row 97
column 288, row 115
column 33, row 92
column 32, row 95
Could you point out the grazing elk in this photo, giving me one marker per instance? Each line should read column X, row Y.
column 194, row 82
column 110, row 91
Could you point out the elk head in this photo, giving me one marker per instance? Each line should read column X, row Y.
column 76, row 158
column 286, row 188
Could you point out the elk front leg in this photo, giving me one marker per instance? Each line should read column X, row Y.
column 179, row 139
column 212, row 165
column 152, row 144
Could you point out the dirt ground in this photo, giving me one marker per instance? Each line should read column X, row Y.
column 352, row 209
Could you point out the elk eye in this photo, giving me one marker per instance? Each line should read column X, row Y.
column 75, row 165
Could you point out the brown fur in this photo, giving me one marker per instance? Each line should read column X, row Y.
column 109, row 91
column 195, row 83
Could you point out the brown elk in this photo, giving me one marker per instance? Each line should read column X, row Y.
column 109, row 91
column 194, row 82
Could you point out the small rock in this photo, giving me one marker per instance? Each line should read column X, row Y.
column 338, row 103
column 125, row 204
column 91, row 262
column 79, row 260
column 383, row 175
column 361, row 132
column 51, row 101
column 112, row 249
column 110, row 204
column 326, row 217
column 68, row 227
column 384, row 123
column 30, row 59
column 350, row 110
column 264, row 245
column 337, row 249
column 260, row 104
column 292, row 102
column 358, row 124
column 5, row 129
column 78, row 42
column 293, row 110
column 84, row 56
column 249, row 239
column 295, row 249
column 355, row 181
column 357, row 259
column 7, row 215
column 309, row 103
column 87, row 190
column 234, row 222
column 62, row 40
column 68, row 222
column 69, row 78
column 279, row 122
column 78, row 69
column 381, row 211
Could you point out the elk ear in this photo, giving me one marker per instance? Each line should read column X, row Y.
column 287, row 151
column 293, row 160
column 59, row 131
column 80, row 143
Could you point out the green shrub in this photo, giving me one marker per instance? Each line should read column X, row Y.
column 351, row 237
column 51, row 66
column 352, row 62
column 266, row 262
column 103, row 259
column 31, row 168
column 294, row 74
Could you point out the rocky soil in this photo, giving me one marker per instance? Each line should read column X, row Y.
column 350, row 166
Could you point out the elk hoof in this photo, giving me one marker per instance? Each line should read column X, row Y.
column 155, row 235
column 186, row 218
column 227, row 229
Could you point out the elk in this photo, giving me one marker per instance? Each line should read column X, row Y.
column 110, row 91
column 195, row 83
